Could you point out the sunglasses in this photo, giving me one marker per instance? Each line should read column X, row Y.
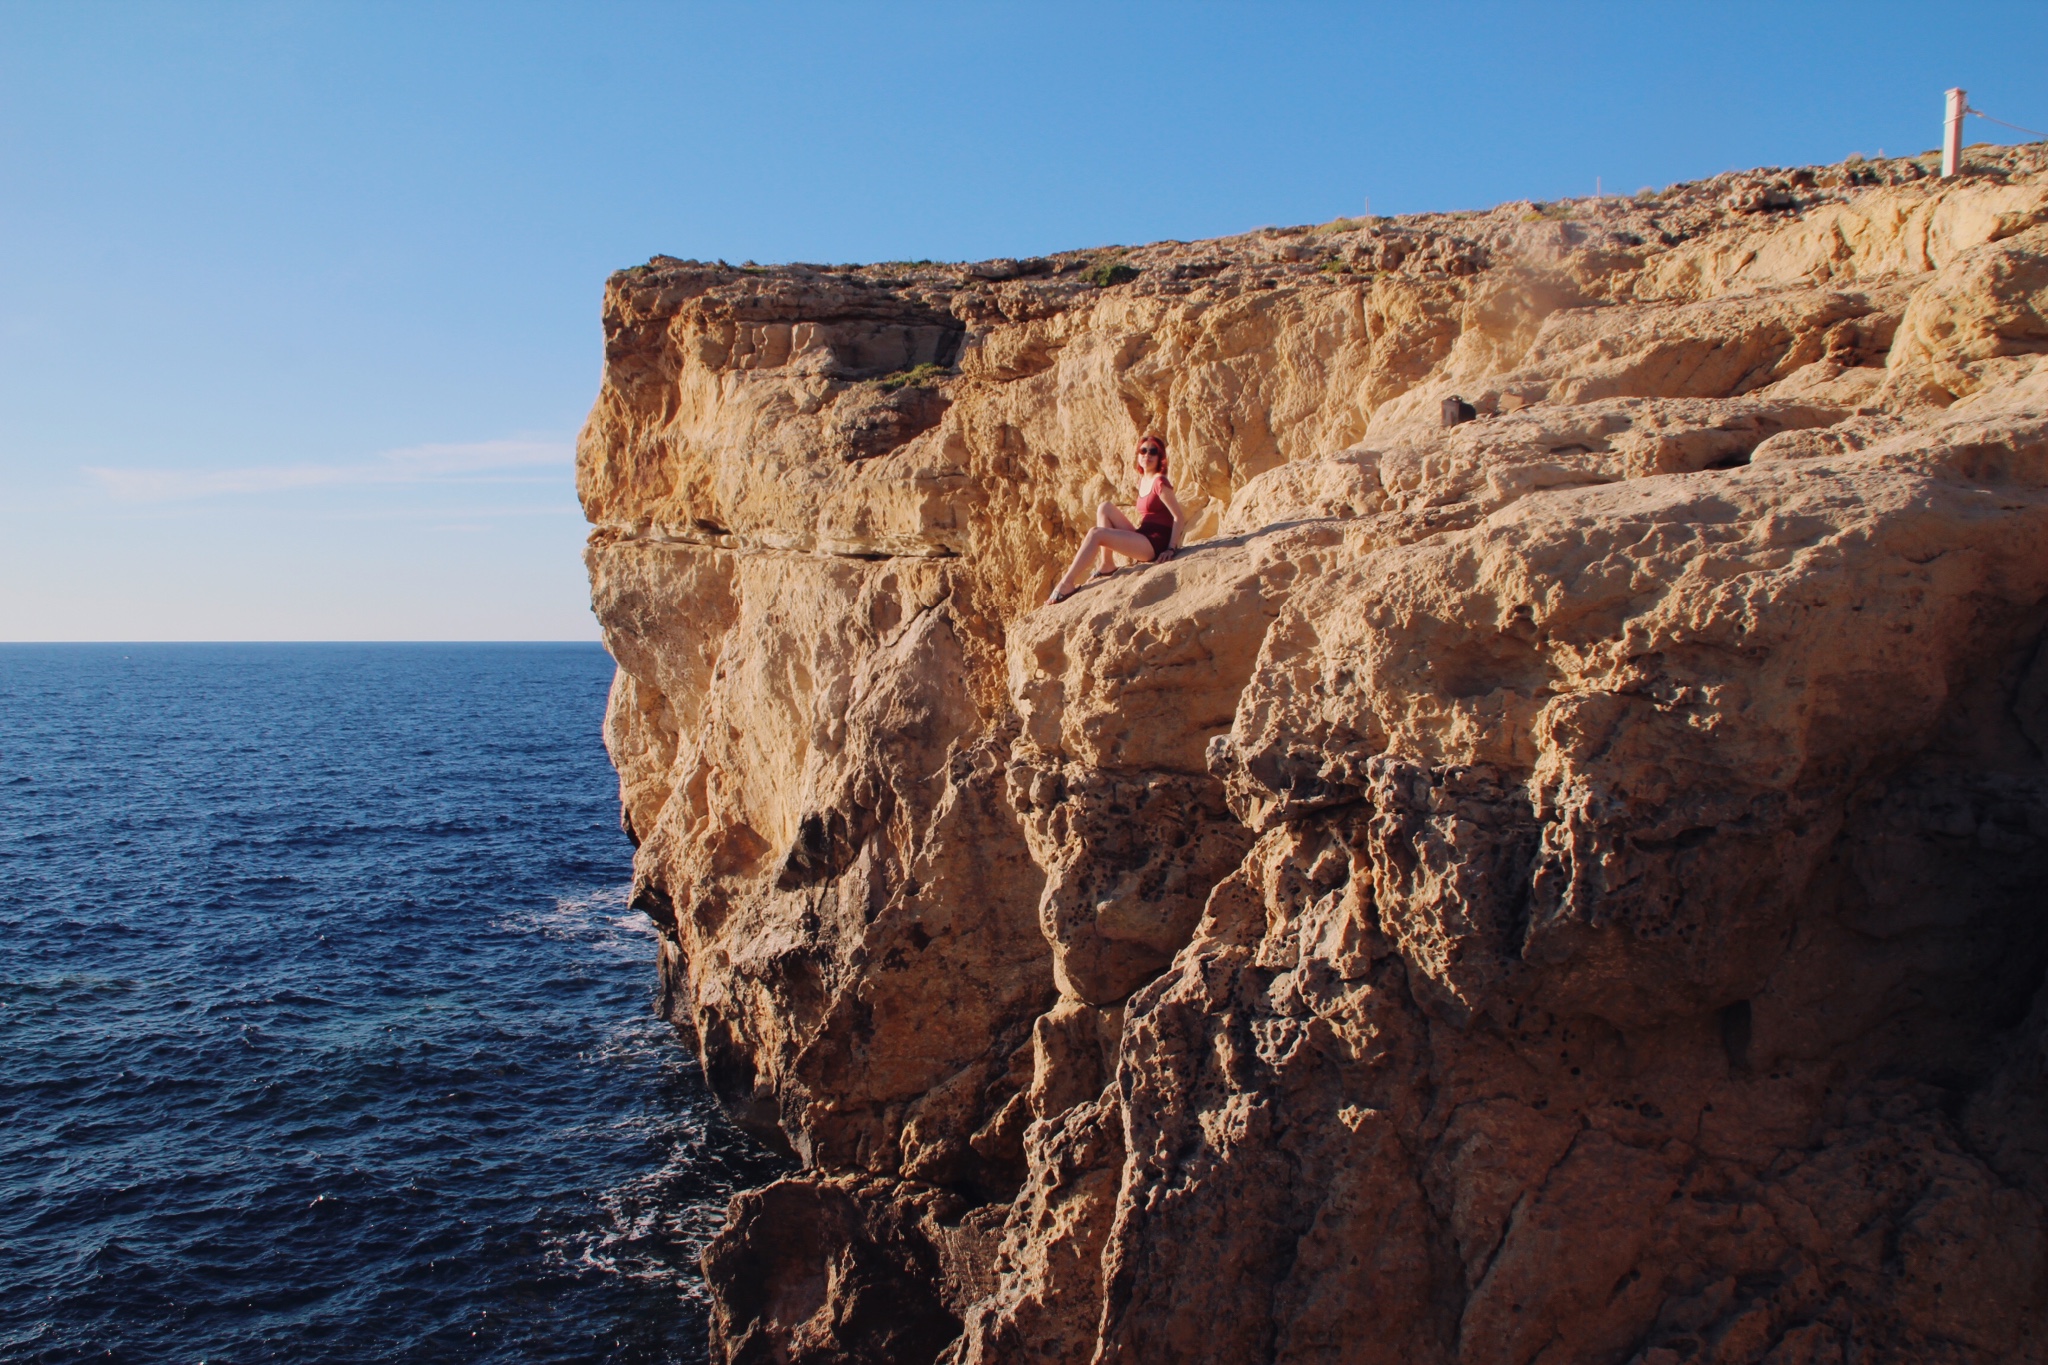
column 1151, row 450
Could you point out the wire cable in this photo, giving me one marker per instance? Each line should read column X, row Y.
column 2030, row 132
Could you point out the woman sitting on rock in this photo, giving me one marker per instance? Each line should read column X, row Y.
column 1156, row 537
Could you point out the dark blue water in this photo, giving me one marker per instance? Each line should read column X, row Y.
column 325, row 1031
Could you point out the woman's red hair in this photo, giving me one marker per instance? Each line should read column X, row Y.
column 1151, row 436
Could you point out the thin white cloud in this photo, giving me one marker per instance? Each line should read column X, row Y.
column 474, row 462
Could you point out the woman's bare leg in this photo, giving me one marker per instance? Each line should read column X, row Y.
column 1101, row 540
column 1109, row 515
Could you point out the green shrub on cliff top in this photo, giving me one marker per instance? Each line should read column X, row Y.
column 915, row 376
column 1108, row 273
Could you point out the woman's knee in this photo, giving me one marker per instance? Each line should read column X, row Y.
column 1104, row 511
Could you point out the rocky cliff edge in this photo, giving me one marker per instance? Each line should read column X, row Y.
column 1565, row 886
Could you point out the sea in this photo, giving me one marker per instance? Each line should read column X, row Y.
column 326, row 1033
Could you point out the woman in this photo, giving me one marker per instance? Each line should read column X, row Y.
column 1155, row 538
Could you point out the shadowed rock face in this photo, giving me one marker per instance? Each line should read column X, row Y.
column 1565, row 887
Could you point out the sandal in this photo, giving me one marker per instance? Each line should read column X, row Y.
column 1102, row 573
column 1059, row 597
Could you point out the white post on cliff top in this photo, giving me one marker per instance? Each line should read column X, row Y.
column 1952, row 133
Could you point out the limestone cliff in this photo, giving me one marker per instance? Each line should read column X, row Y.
column 1563, row 886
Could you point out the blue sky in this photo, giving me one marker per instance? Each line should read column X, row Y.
column 299, row 302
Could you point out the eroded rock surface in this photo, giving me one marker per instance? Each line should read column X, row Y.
column 1561, row 887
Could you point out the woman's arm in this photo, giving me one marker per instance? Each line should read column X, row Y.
column 1180, row 521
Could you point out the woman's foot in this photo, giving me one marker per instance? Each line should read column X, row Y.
column 1102, row 573
column 1059, row 595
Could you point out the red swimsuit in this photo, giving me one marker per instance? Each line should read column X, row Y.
column 1155, row 523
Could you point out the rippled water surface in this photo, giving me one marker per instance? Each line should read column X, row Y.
column 325, row 1031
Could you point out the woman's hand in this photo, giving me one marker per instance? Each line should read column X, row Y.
column 1166, row 554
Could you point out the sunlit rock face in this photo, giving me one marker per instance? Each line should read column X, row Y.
column 1563, row 886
